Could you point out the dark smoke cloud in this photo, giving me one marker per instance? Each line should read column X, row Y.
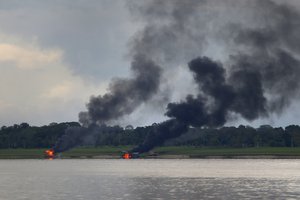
column 123, row 97
column 259, row 77
column 191, row 111
column 124, row 94
column 210, row 77
column 86, row 136
column 216, row 99
column 176, row 30
column 262, row 77
column 271, row 52
column 72, row 137
column 242, row 93
column 170, row 129
column 169, row 35
column 166, row 37
column 160, row 41
column 249, row 99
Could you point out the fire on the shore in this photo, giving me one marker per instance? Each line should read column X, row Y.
column 127, row 156
column 50, row 153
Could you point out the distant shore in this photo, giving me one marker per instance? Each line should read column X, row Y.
column 168, row 152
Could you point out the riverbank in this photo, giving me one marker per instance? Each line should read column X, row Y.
column 172, row 152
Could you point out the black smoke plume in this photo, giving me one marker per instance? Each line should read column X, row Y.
column 261, row 79
column 72, row 137
column 257, row 75
column 124, row 94
column 216, row 99
column 169, row 129
column 123, row 97
column 86, row 136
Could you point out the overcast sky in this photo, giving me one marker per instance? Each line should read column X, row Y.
column 55, row 54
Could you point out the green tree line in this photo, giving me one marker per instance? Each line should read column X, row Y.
column 25, row 136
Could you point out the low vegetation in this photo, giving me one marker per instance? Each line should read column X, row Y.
column 28, row 137
column 25, row 141
column 188, row 151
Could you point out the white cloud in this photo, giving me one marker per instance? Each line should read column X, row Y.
column 27, row 57
column 38, row 87
column 58, row 91
column 93, row 36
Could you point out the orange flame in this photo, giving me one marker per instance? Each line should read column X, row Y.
column 127, row 156
column 50, row 153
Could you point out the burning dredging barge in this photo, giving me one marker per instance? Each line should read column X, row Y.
column 129, row 155
column 50, row 154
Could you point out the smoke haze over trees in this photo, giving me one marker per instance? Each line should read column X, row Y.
column 261, row 76
column 26, row 136
column 261, row 65
column 254, row 75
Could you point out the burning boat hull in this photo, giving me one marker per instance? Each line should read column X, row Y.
column 50, row 154
column 128, row 155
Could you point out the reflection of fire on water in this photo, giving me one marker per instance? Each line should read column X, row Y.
column 50, row 153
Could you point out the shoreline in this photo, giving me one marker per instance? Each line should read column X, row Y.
column 204, row 157
column 192, row 157
column 166, row 152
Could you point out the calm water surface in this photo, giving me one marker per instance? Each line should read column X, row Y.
column 149, row 179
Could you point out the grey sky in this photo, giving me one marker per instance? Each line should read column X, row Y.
column 92, row 35
column 55, row 54
column 82, row 47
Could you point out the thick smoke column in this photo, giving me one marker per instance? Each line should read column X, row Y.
column 161, row 132
column 124, row 94
column 123, row 97
column 257, row 74
column 72, row 137
column 164, row 38
column 262, row 78
column 154, row 44
column 241, row 94
column 215, row 100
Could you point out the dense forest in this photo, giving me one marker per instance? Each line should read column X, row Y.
column 26, row 136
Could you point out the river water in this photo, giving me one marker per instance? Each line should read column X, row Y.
column 189, row 179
